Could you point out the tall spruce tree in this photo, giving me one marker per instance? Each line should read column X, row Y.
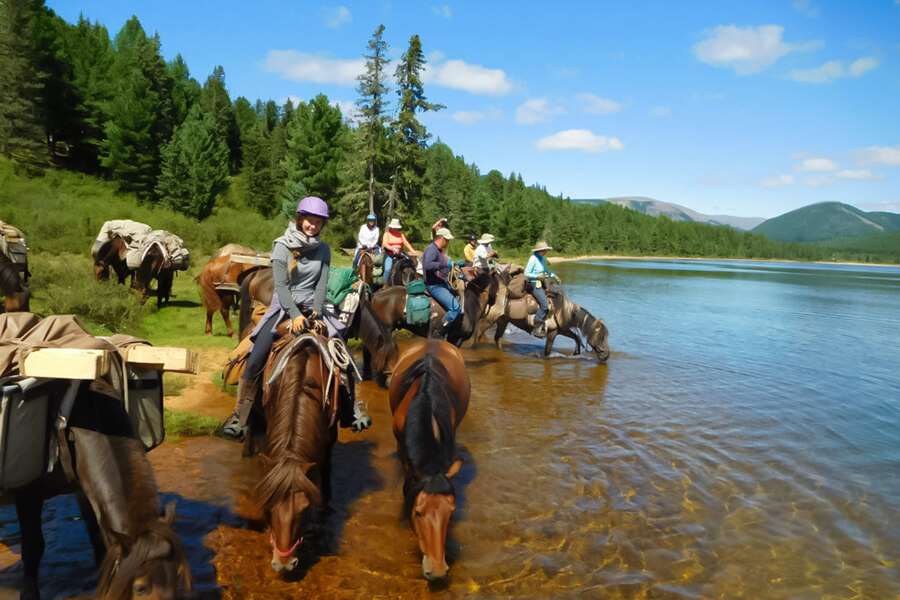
column 22, row 133
column 374, row 108
column 407, row 132
column 194, row 166
column 217, row 104
column 185, row 89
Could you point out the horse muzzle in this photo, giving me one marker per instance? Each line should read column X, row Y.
column 284, row 561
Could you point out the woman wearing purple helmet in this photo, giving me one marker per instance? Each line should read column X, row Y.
column 300, row 264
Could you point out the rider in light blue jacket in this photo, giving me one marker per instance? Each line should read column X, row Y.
column 537, row 271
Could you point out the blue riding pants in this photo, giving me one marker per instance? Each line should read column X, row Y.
column 444, row 296
column 359, row 251
column 541, row 296
column 388, row 263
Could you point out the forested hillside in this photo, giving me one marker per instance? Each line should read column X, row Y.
column 827, row 221
column 73, row 99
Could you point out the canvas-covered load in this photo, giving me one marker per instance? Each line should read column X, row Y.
column 176, row 256
column 342, row 292
column 38, row 358
column 131, row 232
column 13, row 245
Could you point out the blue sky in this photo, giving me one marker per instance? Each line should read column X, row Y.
column 743, row 108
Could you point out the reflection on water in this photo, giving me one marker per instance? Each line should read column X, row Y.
column 742, row 442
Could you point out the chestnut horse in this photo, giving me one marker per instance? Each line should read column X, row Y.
column 365, row 266
column 389, row 304
column 218, row 271
column 300, row 427
column 112, row 254
column 379, row 349
column 113, row 480
column 429, row 396
column 16, row 295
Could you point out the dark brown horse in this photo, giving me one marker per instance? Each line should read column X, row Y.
column 379, row 349
column 16, row 295
column 216, row 296
column 112, row 255
column 429, row 396
column 403, row 270
column 300, row 403
column 155, row 265
column 389, row 304
column 117, row 493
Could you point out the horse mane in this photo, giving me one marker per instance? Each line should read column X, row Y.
column 120, row 568
column 294, row 433
column 375, row 335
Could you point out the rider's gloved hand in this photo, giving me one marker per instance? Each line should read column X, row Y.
column 557, row 279
column 299, row 324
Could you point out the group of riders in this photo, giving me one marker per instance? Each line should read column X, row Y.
column 300, row 266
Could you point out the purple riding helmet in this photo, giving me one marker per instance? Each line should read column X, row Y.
column 311, row 205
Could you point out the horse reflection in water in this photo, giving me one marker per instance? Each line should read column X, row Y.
column 117, row 494
column 301, row 429
column 429, row 395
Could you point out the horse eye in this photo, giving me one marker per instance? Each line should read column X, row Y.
column 141, row 589
column 417, row 514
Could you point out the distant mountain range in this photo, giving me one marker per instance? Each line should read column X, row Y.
column 813, row 223
column 676, row 212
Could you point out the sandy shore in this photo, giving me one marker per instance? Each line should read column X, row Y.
column 559, row 259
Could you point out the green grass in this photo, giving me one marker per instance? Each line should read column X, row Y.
column 181, row 423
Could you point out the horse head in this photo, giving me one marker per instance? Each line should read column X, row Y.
column 598, row 338
column 430, row 504
column 365, row 267
column 152, row 564
column 288, row 510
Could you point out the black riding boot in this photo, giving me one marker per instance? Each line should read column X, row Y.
column 439, row 330
column 352, row 413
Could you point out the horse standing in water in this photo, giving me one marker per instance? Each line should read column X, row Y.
column 137, row 550
column 429, row 396
column 16, row 295
column 390, row 305
column 300, row 428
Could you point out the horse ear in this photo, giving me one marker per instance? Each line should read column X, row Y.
column 454, row 469
column 169, row 513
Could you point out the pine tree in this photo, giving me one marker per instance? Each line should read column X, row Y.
column 373, row 107
column 408, row 133
column 22, row 135
column 194, row 166
column 217, row 104
column 185, row 89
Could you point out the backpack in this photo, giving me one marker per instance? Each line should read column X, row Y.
column 418, row 304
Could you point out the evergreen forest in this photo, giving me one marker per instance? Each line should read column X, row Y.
column 74, row 98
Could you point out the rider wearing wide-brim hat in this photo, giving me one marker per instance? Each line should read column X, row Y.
column 537, row 272
column 484, row 252
column 393, row 242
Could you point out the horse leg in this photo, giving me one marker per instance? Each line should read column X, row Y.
column 93, row 528
column 499, row 331
column 28, row 509
column 548, row 344
column 209, row 317
column 367, row 364
column 225, row 310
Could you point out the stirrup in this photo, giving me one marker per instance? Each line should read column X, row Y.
column 232, row 430
column 361, row 418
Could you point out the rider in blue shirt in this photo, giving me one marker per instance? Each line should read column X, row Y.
column 537, row 272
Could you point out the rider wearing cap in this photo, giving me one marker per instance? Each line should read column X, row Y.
column 300, row 265
column 436, row 269
column 469, row 250
column 393, row 242
column 537, row 272
column 367, row 238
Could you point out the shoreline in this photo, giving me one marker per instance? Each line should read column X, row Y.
column 560, row 259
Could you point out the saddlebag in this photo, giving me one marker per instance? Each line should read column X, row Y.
column 24, row 427
column 418, row 304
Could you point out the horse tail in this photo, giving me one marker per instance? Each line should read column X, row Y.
column 208, row 294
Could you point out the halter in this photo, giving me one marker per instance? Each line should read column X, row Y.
column 280, row 553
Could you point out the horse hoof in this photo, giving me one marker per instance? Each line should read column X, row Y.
column 361, row 424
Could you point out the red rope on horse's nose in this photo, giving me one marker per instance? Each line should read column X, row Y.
column 279, row 552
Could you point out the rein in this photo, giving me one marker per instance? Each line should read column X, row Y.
column 284, row 553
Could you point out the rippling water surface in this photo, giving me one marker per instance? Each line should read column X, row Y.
column 742, row 442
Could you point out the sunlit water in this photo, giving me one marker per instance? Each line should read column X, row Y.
column 742, row 442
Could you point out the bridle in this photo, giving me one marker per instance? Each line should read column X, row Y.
column 284, row 553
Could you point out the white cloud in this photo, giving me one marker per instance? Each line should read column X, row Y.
column 300, row 66
column 816, row 164
column 863, row 65
column 468, row 117
column 595, row 105
column 460, row 75
column 860, row 175
column 660, row 111
column 777, row 181
column 442, row 11
column 336, row 16
column 537, row 110
column 579, row 139
column 834, row 70
column 878, row 156
column 806, row 7
column 820, row 181
column 747, row 50
column 881, row 206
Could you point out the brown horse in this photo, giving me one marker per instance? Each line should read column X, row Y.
column 16, row 295
column 216, row 297
column 566, row 318
column 300, row 403
column 389, row 304
column 365, row 266
column 154, row 266
column 229, row 249
column 112, row 254
column 379, row 349
column 403, row 270
column 429, row 396
column 117, row 493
